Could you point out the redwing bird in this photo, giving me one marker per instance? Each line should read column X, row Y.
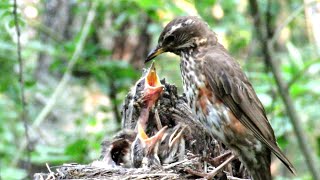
column 220, row 94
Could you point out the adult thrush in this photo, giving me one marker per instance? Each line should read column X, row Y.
column 220, row 94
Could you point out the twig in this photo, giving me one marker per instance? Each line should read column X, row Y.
column 175, row 164
column 235, row 178
column 23, row 114
column 218, row 159
column 66, row 77
column 213, row 173
column 268, row 50
column 141, row 176
column 51, row 174
column 47, row 165
column 220, row 167
column 196, row 173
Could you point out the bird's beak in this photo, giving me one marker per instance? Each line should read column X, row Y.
column 154, row 53
column 153, row 85
column 150, row 142
column 152, row 78
column 176, row 136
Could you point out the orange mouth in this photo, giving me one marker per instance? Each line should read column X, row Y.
column 153, row 86
column 150, row 142
column 152, row 77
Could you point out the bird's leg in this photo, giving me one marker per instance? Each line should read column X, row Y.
column 229, row 169
column 182, row 149
column 205, row 164
column 158, row 121
column 220, row 167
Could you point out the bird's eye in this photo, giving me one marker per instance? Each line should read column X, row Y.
column 170, row 38
column 140, row 84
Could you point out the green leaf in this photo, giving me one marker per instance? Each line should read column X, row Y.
column 54, row 155
column 148, row 5
column 204, row 9
column 282, row 141
column 295, row 55
column 78, row 150
column 12, row 173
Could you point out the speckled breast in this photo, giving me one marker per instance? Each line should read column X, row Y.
column 209, row 109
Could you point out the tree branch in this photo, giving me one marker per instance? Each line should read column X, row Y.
column 113, row 96
column 23, row 114
column 66, row 77
column 267, row 48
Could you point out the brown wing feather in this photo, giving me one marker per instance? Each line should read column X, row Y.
column 231, row 85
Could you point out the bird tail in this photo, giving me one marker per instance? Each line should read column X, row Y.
column 277, row 151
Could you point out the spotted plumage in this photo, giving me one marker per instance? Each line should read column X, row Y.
column 220, row 94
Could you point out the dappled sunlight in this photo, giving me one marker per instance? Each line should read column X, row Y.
column 217, row 11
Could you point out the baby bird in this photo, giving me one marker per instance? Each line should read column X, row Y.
column 145, row 149
column 117, row 152
column 172, row 145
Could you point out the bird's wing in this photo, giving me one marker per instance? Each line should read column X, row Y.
column 232, row 87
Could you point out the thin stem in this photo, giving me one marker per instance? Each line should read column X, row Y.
column 23, row 114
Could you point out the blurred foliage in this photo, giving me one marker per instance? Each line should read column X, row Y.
column 73, row 133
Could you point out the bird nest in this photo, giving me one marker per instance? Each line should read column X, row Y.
column 185, row 169
column 202, row 154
